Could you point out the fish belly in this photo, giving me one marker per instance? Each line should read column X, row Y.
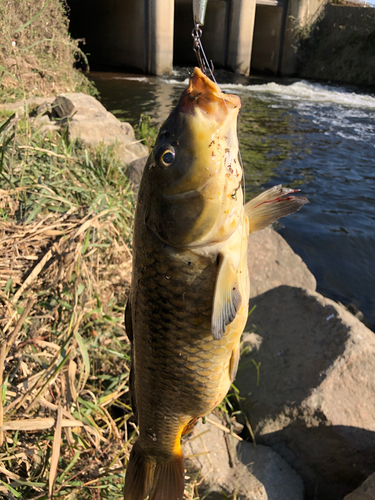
column 181, row 372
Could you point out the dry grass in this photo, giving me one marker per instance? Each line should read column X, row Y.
column 65, row 231
column 36, row 51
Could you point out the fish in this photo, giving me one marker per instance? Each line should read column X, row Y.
column 188, row 302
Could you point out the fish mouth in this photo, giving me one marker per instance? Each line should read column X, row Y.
column 204, row 94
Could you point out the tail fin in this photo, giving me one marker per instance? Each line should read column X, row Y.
column 271, row 205
column 159, row 480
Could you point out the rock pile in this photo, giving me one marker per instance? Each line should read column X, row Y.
column 273, row 263
column 365, row 492
column 84, row 119
column 315, row 401
column 237, row 467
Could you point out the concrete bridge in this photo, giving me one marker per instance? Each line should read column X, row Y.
column 152, row 35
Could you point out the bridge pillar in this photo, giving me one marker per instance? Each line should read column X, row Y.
column 160, row 15
column 241, row 31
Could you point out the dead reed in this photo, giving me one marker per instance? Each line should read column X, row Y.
column 65, row 233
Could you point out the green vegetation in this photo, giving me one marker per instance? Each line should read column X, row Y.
column 36, row 51
column 339, row 45
column 65, row 234
column 146, row 131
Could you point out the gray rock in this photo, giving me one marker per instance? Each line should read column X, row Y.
column 315, row 402
column 31, row 104
column 273, row 263
column 130, row 151
column 44, row 110
column 62, row 107
column 86, row 119
column 45, row 126
column 134, row 172
column 85, row 105
column 365, row 492
column 256, row 474
column 93, row 124
column 280, row 481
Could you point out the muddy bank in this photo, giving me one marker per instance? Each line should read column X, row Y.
column 340, row 46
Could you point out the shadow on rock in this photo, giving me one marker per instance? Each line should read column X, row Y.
column 315, row 400
column 224, row 465
column 320, row 456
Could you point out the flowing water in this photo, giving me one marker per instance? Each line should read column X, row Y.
column 317, row 138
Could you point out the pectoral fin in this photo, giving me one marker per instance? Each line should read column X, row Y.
column 271, row 205
column 227, row 297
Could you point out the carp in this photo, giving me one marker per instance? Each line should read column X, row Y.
column 188, row 303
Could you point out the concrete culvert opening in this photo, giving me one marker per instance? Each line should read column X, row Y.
column 151, row 36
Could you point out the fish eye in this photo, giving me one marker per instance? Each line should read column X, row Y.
column 165, row 155
column 168, row 157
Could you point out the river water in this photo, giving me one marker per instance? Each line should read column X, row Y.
column 314, row 137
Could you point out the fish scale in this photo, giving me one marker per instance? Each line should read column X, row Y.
column 192, row 361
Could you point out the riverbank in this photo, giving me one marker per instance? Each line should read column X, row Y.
column 37, row 54
column 66, row 212
column 65, row 239
column 339, row 46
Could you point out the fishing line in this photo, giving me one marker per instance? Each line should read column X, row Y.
column 204, row 65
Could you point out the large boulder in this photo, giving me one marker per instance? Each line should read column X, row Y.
column 273, row 263
column 365, row 492
column 90, row 122
column 315, row 401
column 85, row 119
column 229, row 466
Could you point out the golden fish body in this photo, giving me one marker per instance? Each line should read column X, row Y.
column 190, row 288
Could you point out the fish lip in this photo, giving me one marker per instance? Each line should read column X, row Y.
column 205, row 94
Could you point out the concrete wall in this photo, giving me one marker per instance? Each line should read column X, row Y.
column 114, row 31
column 151, row 35
column 214, row 38
column 160, row 25
column 300, row 13
column 240, row 40
column 266, row 42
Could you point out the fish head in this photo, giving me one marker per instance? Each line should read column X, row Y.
column 192, row 180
